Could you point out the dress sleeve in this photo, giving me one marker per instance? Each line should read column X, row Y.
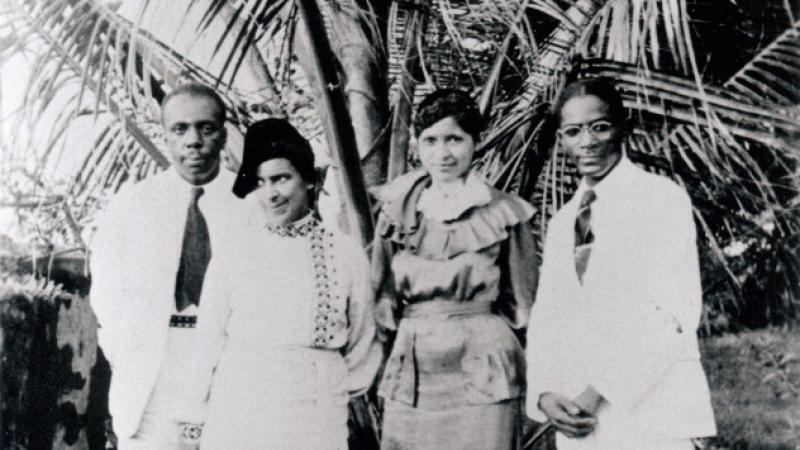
column 383, row 281
column 519, row 274
column 211, row 334
column 364, row 352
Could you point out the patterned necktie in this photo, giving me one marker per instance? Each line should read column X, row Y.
column 583, row 233
column 195, row 254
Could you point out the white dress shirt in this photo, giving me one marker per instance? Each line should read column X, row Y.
column 630, row 329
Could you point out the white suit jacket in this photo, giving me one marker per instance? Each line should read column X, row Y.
column 134, row 262
column 630, row 329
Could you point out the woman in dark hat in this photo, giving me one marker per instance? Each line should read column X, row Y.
column 454, row 261
column 286, row 315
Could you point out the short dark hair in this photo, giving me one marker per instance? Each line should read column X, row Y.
column 269, row 139
column 602, row 88
column 444, row 103
column 196, row 90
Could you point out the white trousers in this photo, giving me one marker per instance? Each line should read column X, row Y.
column 159, row 429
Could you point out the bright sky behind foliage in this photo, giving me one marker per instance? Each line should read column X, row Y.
column 168, row 22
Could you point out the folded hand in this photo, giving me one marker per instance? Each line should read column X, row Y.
column 566, row 415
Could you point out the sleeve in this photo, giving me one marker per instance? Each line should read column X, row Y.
column 211, row 335
column 549, row 318
column 668, row 325
column 683, row 315
column 383, row 282
column 110, row 289
column 364, row 352
column 519, row 274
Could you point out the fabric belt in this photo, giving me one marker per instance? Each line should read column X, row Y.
column 446, row 308
column 179, row 321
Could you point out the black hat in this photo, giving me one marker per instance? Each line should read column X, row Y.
column 269, row 139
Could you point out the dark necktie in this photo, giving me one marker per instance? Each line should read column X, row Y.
column 195, row 254
column 583, row 233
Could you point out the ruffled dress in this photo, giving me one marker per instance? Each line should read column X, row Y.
column 456, row 279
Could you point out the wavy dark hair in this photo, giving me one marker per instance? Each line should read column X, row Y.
column 444, row 103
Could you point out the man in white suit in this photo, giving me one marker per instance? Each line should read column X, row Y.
column 148, row 262
column 619, row 297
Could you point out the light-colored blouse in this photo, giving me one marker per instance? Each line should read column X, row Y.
column 278, row 291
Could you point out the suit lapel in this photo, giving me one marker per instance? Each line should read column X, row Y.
column 164, row 252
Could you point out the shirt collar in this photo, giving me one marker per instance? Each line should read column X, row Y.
column 610, row 183
column 221, row 184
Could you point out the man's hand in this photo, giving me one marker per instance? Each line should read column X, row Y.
column 566, row 415
column 189, row 436
column 589, row 401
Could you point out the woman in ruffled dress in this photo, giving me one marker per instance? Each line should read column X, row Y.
column 286, row 315
column 455, row 265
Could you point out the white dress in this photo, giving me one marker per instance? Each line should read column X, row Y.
column 287, row 334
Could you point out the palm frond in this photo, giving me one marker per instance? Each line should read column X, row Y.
column 412, row 23
column 114, row 69
column 773, row 76
column 679, row 99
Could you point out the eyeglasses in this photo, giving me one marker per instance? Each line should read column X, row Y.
column 599, row 129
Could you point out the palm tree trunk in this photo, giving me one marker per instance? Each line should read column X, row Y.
column 321, row 65
column 354, row 44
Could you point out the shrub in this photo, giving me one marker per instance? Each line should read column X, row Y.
column 49, row 347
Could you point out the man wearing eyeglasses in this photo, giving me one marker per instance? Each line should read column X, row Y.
column 148, row 261
column 613, row 359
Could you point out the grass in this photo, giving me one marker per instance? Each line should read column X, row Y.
column 755, row 388
column 755, row 384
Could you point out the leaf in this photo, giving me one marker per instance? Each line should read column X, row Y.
column 773, row 74
column 769, row 377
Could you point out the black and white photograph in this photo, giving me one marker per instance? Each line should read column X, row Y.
column 399, row 225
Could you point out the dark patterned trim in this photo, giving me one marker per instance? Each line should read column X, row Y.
column 178, row 321
column 327, row 317
column 326, row 286
column 300, row 228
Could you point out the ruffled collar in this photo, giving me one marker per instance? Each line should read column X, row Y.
column 300, row 227
column 444, row 206
column 400, row 197
column 476, row 228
